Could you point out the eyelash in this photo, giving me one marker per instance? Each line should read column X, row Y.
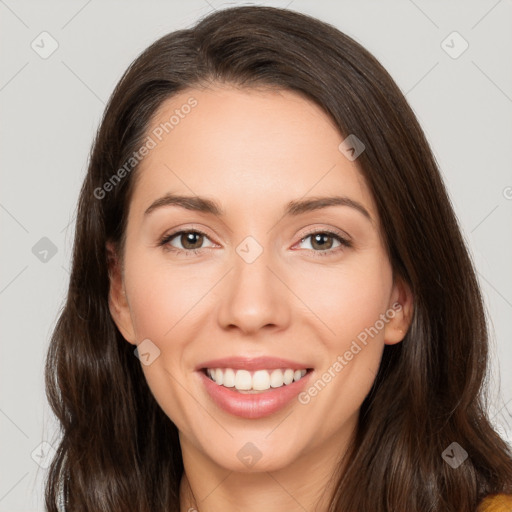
column 344, row 243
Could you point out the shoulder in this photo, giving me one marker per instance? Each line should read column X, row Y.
column 496, row 503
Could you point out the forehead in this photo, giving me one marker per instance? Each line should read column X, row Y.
column 243, row 144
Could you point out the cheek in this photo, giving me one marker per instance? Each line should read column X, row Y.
column 348, row 303
column 348, row 298
column 165, row 303
column 162, row 296
column 168, row 302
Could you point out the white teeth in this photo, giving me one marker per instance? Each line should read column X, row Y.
column 276, row 379
column 229, row 378
column 288, row 376
column 260, row 380
column 298, row 374
column 243, row 379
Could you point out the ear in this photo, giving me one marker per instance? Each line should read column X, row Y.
column 117, row 300
column 399, row 313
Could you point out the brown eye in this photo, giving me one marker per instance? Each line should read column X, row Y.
column 191, row 240
column 186, row 241
column 322, row 241
column 325, row 243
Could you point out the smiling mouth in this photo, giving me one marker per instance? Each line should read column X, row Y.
column 253, row 382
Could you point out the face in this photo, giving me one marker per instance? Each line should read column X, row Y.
column 270, row 272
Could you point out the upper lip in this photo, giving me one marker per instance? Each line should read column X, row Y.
column 252, row 363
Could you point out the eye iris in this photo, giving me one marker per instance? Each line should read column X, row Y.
column 319, row 238
column 191, row 238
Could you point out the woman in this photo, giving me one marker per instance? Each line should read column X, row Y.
column 271, row 305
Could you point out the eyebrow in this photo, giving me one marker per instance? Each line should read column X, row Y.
column 293, row 208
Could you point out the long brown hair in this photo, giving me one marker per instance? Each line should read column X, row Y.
column 119, row 450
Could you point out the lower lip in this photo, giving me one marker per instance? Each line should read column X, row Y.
column 253, row 406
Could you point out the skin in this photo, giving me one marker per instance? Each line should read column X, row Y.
column 253, row 151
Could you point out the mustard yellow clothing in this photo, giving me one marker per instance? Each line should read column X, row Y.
column 496, row 503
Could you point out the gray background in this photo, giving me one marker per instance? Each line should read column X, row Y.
column 52, row 106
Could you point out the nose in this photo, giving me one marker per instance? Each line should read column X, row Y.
column 253, row 297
